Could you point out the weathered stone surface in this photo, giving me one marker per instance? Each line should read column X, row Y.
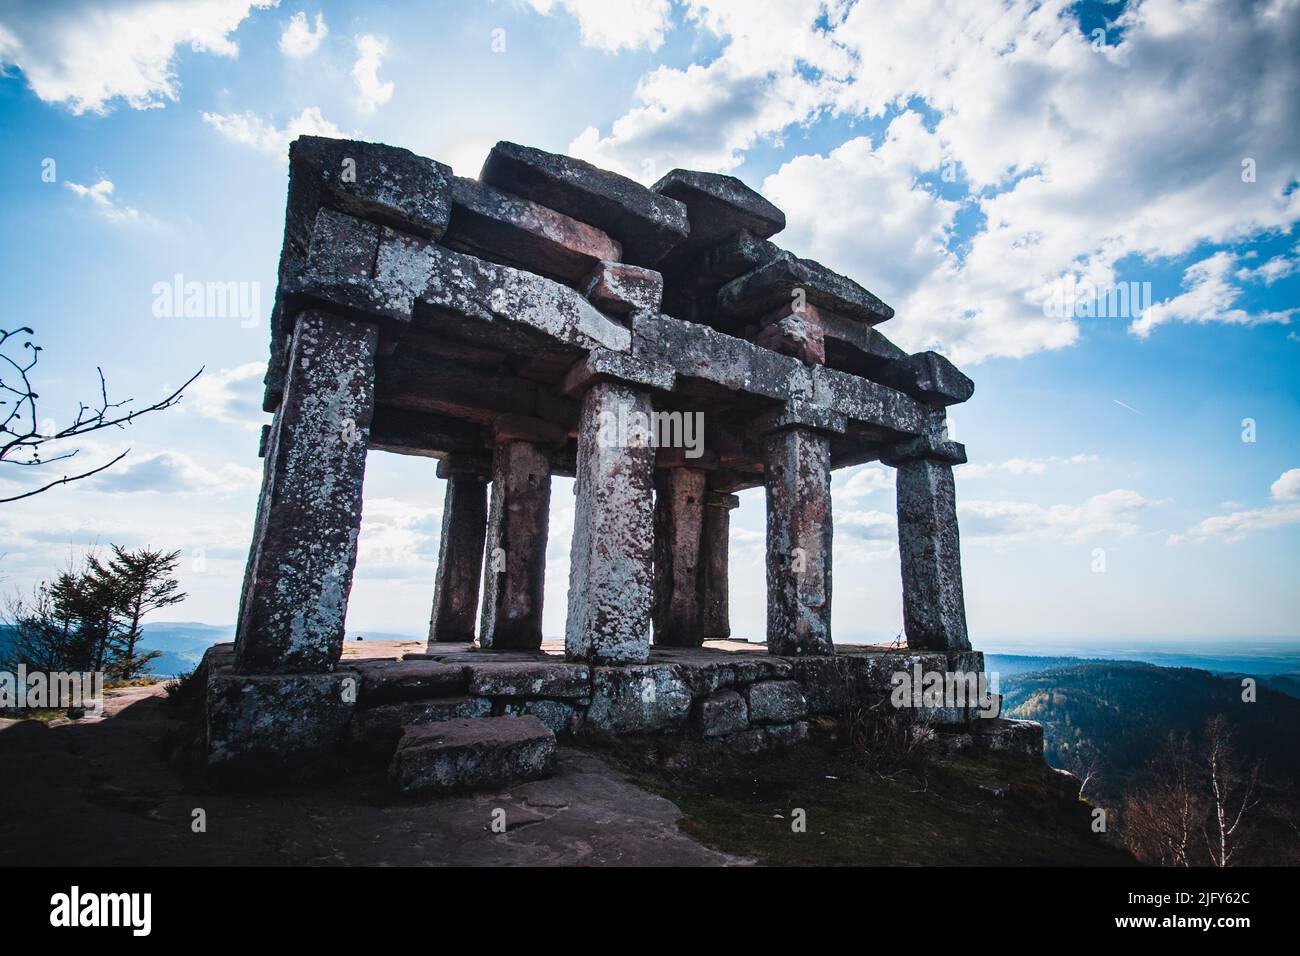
column 379, row 728
column 715, row 539
column 530, row 679
column 934, row 608
column 705, row 677
column 692, row 294
column 825, row 682
column 1023, row 737
column 385, row 682
column 719, row 206
column 678, row 586
column 556, row 715
column 647, row 224
column 780, row 281
column 795, row 331
column 501, row 303
column 784, row 735
column 931, row 378
column 514, row 575
column 513, row 231
column 472, row 754
column 750, row 741
column 268, row 721
column 460, row 559
column 601, row 365
column 695, row 351
column 801, row 414
column 867, row 402
column 309, row 512
column 775, row 702
column 383, row 184
column 638, row 699
column 610, row 563
column 724, row 712
column 617, row 288
column 932, row 445
column 798, row 482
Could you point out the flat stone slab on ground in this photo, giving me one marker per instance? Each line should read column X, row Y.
column 472, row 754
column 530, row 679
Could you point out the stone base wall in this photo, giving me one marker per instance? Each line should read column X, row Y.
column 741, row 702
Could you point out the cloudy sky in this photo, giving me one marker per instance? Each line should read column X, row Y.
column 1134, row 471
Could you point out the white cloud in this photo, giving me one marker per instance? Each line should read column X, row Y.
column 229, row 395
column 854, row 483
column 396, row 536
column 101, row 198
column 1287, row 487
column 299, row 39
column 1001, row 522
column 1279, row 267
column 88, row 53
column 175, row 473
column 372, row 93
column 251, row 130
column 1041, row 125
column 1022, row 466
column 1234, row 527
column 613, row 26
column 1210, row 297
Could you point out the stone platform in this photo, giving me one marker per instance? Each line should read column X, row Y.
column 386, row 697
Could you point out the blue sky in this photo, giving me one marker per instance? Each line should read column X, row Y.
column 963, row 161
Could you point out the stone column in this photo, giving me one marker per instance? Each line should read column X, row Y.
column 678, row 532
column 460, row 556
column 797, row 462
column 611, row 571
column 929, row 547
column 304, row 548
column 514, row 570
column 715, row 564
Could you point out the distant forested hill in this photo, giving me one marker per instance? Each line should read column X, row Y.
column 1121, row 714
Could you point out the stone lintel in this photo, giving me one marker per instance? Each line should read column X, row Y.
column 497, row 226
column 925, row 447
column 722, row 499
column 526, row 428
column 601, row 365
column 795, row 414
column 647, row 224
column 465, row 466
column 705, row 460
column 928, row 377
column 789, row 279
column 619, row 288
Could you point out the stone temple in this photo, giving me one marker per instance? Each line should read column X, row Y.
column 552, row 318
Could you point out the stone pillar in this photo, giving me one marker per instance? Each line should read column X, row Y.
column 797, row 462
column 678, row 532
column 514, row 570
column 715, row 563
column 304, row 548
column 929, row 547
column 460, row 556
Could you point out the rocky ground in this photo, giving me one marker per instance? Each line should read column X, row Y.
column 102, row 792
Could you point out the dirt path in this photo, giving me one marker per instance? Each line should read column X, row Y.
column 97, row 792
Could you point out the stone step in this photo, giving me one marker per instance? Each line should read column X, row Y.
column 472, row 754
column 376, row 731
column 388, row 682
